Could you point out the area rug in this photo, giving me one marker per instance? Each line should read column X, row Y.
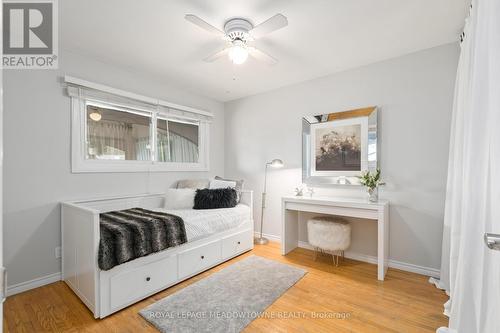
column 225, row 301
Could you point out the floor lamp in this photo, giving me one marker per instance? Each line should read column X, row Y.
column 276, row 163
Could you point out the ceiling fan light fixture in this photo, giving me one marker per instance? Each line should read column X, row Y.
column 238, row 53
column 238, row 32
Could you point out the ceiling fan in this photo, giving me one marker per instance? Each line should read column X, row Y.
column 238, row 32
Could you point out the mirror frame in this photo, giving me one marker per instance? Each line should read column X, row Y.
column 341, row 177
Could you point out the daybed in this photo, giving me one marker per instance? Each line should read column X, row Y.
column 214, row 236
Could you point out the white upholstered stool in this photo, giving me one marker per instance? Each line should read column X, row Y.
column 329, row 235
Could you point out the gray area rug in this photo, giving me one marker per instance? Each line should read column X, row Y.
column 225, row 301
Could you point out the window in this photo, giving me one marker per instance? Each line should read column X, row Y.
column 177, row 141
column 113, row 134
column 117, row 134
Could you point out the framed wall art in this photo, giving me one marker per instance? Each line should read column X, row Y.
column 337, row 147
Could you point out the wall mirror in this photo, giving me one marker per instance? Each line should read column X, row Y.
column 337, row 147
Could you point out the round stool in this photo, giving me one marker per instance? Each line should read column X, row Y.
column 329, row 235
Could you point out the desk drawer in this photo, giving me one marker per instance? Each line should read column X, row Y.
column 237, row 243
column 129, row 286
column 197, row 259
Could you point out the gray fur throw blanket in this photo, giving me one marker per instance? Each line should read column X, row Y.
column 133, row 233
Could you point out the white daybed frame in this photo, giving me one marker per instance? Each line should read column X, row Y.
column 105, row 292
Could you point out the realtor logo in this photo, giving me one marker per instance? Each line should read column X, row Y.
column 30, row 34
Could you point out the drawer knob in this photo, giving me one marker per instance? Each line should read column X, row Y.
column 202, row 257
column 148, row 278
column 239, row 242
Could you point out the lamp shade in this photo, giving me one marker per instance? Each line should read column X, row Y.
column 277, row 163
column 95, row 115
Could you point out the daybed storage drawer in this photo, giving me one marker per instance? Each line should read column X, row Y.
column 237, row 243
column 128, row 286
column 195, row 260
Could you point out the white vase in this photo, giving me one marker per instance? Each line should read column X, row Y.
column 372, row 194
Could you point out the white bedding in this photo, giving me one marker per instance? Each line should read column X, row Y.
column 202, row 223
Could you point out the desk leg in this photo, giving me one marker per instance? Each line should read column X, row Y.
column 383, row 243
column 289, row 230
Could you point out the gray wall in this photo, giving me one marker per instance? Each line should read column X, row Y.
column 414, row 93
column 415, row 96
column 37, row 157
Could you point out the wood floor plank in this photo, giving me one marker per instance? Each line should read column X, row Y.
column 348, row 298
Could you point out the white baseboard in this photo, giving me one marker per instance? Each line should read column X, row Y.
column 422, row 270
column 268, row 236
column 35, row 283
column 427, row 271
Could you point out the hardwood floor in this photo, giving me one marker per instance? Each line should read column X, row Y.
column 348, row 298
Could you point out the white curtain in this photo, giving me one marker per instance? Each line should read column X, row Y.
column 110, row 139
column 122, row 141
column 470, row 272
column 142, row 150
column 176, row 148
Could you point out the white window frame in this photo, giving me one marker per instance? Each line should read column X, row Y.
column 79, row 101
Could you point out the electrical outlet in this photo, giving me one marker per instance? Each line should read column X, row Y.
column 58, row 252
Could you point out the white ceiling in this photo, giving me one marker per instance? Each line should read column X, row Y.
column 323, row 37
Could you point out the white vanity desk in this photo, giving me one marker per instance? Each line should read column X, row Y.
column 350, row 207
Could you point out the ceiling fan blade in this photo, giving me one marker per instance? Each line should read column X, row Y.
column 274, row 23
column 216, row 55
column 202, row 24
column 262, row 56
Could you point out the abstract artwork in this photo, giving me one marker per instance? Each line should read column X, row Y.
column 338, row 148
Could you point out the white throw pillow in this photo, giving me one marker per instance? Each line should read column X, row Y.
column 238, row 187
column 179, row 198
column 217, row 183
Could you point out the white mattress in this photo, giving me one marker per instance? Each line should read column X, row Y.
column 202, row 223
